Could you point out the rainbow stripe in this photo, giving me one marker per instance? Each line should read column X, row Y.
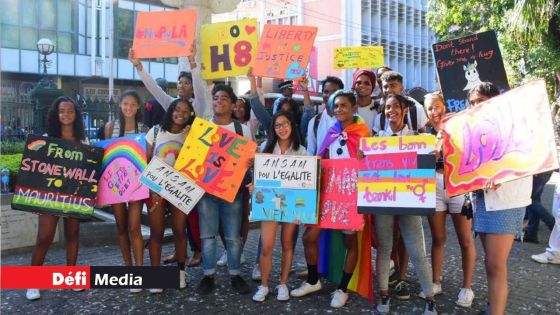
column 331, row 262
column 128, row 149
column 36, row 145
column 169, row 151
column 41, row 201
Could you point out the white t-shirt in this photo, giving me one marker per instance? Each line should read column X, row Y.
column 168, row 145
column 246, row 131
column 388, row 132
column 314, row 142
column 421, row 118
column 368, row 113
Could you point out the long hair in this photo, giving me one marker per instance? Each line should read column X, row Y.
column 247, row 107
column 53, row 123
column 294, row 108
column 137, row 117
column 403, row 103
column 272, row 138
column 167, row 122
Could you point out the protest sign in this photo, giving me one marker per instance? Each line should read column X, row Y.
column 339, row 191
column 505, row 138
column 228, row 48
column 284, row 51
column 285, row 188
column 123, row 162
column 358, row 57
column 215, row 158
column 58, row 177
column 171, row 185
column 162, row 34
column 397, row 175
column 475, row 58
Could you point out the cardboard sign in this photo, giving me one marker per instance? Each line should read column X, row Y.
column 464, row 62
column 228, row 48
column 505, row 138
column 358, row 57
column 339, row 191
column 397, row 175
column 171, row 185
column 284, row 51
column 285, row 188
column 163, row 34
column 123, row 163
column 58, row 177
column 215, row 158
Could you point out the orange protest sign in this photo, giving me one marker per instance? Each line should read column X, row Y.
column 164, row 34
column 284, row 51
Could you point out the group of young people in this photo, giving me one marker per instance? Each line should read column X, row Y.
column 333, row 132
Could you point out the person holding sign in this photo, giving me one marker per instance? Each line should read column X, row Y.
column 64, row 122
column 128, row 216
column 435, row 107
column 498, row 216
column 186, row 86
column 396, row 110
column 165, row 141
column 282, row 139
column 340, row 142
column 213, row 210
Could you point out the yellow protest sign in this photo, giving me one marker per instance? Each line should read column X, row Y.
column 358, row 57
column 228, row 48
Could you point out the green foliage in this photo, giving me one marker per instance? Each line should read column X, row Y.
column 11, row 147
column 528, row 31
column 13, row 162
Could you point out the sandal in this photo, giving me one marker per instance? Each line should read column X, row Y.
column 170, row 259
column 195, row 260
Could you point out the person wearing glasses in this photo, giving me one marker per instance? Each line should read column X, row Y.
column 396, row 110
column 340, row 142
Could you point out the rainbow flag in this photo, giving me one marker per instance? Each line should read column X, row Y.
column 331, row 262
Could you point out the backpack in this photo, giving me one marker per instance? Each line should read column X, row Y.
column 316, row 123
column 248, row 178
column 413, row 117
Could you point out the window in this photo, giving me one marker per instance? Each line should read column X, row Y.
column 124, row 27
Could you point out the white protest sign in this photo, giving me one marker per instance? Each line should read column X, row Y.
column 286, row 171
column 171, row 185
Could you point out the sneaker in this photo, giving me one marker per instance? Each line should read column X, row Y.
column 78, row 290
column 393, row 279
column 305, row 289
column 465, row 297
column 339, row 298
column 33, row 294
column 206, row 285
column 401, row 290
column 240, row 285
column 261, row 294
column 182, row 279
column 155, row 291
column 256, row 275
column 241, row 259
column 283, row 293
column 546, row 258
column 223, row 259
column 383, row 307
column 430, row 308
column 135, row 290
column 437, row 291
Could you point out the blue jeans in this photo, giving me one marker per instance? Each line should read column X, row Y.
column 536, row 211
column 212, row 211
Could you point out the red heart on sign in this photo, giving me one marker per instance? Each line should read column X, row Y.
column 249, row 29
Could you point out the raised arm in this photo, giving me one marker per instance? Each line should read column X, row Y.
column 202, row 104
column 151, row 85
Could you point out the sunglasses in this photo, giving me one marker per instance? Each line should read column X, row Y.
column 342, row 143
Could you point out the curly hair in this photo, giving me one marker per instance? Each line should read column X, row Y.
column 53, row 123
column 167, row 122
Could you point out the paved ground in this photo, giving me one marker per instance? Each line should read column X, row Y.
column 534, row 288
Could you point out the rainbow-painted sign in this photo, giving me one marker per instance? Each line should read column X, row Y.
column 58, row 177
column 123, row 163
column 505, row 138
column 215, row 158
column 397, row 175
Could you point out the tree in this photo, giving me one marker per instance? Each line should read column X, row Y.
column 528, row 31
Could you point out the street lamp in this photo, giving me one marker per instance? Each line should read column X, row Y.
column 45, row 48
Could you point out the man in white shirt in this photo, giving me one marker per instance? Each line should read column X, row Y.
column 363, row 84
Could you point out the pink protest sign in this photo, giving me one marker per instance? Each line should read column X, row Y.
column 505, row 138
column 284, row 51
column 123, row 162
column 337, row 209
